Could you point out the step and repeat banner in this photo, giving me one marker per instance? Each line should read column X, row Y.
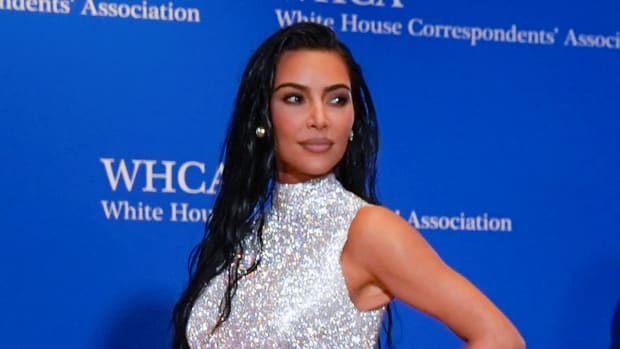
column 499, row 126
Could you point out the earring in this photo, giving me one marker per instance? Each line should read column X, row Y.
column 351, row 136
column 260, row 132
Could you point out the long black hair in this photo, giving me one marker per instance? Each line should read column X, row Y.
column 249, row 166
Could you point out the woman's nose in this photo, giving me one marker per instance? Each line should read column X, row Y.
column 318, row 117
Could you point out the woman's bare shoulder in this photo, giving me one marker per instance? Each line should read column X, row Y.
column 376, row 222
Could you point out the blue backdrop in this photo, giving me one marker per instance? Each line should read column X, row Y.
column 498, row 122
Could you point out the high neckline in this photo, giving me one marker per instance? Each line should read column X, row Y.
column 294, row 194
column 310, row 182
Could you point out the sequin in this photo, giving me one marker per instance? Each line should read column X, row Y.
column 297, row 297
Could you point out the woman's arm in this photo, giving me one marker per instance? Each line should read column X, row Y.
column 385, row 257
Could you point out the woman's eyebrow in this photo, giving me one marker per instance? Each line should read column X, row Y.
column 336, row 87
column 305, row 88
column 291, row 84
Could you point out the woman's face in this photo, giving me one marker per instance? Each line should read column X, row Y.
column 311, row 113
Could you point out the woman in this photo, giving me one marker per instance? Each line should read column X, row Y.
column 297, row 253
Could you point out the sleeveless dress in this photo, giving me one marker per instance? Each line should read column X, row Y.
column 297, row 297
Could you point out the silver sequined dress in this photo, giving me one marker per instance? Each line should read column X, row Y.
column 297, row 298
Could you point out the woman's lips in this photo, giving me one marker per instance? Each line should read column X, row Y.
column 317, row 145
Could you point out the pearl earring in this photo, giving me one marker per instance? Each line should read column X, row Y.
column 351, row 136
column 260, row 132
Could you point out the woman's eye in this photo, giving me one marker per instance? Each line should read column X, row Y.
column 339, row 100
column 292, row 99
